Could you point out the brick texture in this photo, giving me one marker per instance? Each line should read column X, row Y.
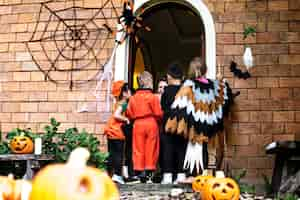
column 268, row 108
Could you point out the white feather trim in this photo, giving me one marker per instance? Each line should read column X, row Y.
column 194, row 157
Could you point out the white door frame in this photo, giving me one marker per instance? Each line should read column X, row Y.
column 122, row 54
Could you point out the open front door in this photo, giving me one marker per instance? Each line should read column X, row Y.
column 139, row 61
column 177, row 35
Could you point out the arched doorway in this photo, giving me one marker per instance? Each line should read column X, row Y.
column 200, row 33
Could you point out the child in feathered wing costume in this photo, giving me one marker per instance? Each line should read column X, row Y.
column 197, row 113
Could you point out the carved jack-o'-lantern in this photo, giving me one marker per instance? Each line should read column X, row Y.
column 73, row 180
column 221, row 188
column 200, row 182
column 21, row 145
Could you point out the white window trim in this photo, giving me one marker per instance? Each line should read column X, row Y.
column 121, row 64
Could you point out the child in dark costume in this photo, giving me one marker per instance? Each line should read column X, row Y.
column 144, row 109
column 173, row 146
column 114, row 132
column 197, row 113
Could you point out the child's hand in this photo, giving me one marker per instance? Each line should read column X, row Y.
column 127, row 121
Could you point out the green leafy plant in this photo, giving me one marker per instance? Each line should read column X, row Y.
column 267, row 185
column 17, row 132
column 290, row 197
column 287, row 196
column 249, row 30
column 244, row 188
column 60, row 145
column 72, row 139
column 50, row 145
column 239, row 176
column 4, row 148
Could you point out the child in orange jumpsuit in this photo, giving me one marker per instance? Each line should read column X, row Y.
column 114, row 132
column 144, row 108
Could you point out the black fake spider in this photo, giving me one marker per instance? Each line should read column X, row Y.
column 130, row 23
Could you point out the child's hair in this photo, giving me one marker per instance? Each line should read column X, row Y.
column 125, row 88
column 174, row 70
column 162, row 79
column 145, row 80
column 196, row 68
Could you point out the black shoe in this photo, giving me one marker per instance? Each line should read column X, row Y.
column 143, row 177
column 133, row 180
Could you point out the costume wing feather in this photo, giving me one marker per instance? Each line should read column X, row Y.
column 198, row 110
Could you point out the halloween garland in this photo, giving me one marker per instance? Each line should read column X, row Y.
column 237, row 72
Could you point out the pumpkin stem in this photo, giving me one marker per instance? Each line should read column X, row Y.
column 220, row 174
column 78, row 158
column 10, row 176
column 207, row 172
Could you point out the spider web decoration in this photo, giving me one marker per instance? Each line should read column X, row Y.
column 71, row 45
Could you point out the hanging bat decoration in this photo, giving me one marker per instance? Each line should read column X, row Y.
column 237, row 72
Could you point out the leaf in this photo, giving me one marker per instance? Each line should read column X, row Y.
column 245, row 188
column 239, row 176
column 4, row 148
column 267, row 185
column 250, row 30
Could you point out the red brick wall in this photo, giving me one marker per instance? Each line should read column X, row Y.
column 268, row 108
column 26, row 100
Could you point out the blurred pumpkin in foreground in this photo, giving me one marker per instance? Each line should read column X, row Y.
column 73, row 181
column 11, row 189
column 6, row 187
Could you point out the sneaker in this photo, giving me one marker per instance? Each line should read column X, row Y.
column 149, row 176
column 180, row 178
column 167, row 178
column 118, row 179
column 149, row 181
column 125, row 172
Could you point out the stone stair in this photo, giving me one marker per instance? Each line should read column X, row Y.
column 154, row 192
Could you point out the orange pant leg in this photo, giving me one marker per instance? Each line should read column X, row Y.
column 138, row 145
column 152, row 145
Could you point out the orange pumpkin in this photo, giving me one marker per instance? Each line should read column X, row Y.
column 6, row 187
column 221, row 188
column 200, row 182
column 73, row 180
column 21, row 145
column 22, row 188
column 11, row 189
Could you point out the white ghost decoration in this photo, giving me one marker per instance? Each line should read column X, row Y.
column 248, row 58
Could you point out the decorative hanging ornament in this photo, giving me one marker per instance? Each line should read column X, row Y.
column 248, row 58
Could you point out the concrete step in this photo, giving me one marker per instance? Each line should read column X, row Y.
column 155, row 192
